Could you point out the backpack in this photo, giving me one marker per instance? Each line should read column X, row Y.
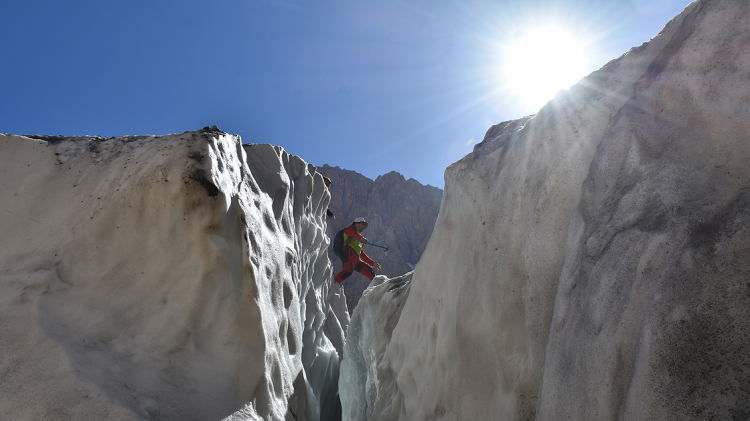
column 338, row 243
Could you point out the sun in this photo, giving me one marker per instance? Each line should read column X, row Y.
column 541, row 61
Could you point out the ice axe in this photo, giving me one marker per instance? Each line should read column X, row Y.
column 378, row 245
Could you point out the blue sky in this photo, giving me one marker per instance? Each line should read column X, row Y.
column 371, row 86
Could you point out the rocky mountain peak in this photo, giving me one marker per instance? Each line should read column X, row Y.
column 401, row 215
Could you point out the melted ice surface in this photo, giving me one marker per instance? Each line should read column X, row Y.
column 174, row 277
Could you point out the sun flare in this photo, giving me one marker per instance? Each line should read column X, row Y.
column 542, row 61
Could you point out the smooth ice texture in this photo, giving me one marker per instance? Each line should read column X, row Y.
column 174, row 277
column 366, row 384
column 590, row 262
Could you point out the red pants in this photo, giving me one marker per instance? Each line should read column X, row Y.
column 351, row 263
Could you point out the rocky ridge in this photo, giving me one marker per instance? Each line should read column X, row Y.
column 401, row 214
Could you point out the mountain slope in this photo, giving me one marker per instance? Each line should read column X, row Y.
column 401, row 214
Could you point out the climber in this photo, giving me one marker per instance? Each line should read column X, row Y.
column 352, row 255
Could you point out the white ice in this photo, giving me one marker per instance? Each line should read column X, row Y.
column 367, row 384
column 172, row 277
column 589, row 262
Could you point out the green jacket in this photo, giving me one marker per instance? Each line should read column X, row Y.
column 351, row 235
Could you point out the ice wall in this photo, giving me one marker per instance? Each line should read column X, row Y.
column 366, row 383
column 174, row 277
column 591, row 262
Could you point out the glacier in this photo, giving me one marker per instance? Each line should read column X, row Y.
column 165, row 277
column 590, row 261
column 365, row 382
column 587, row 262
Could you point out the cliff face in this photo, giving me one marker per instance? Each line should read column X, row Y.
column 401, row 214
column 174, row 277
column 589, row 262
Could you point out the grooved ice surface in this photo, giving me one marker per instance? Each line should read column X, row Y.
column 164, row 277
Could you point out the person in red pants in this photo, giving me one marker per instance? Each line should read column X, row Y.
column 352, row 255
